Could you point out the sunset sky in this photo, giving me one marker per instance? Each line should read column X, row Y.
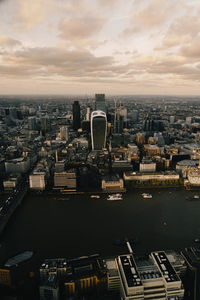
column 100, row 46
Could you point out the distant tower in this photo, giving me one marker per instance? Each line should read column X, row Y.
column 64, row 134
column 100, row 103
column 98, row 129
column 76, row 115
column 88, row 114
column 32, row 123
column 45, row 124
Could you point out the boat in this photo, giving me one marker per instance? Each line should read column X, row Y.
column 146, row 195
column 114, row 197
column 197, row 240
column 95, row 196
column 19, row 258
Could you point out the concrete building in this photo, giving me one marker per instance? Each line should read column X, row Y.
column 154, row 279
column 10, row 183
column 37, row 180
column 113, row 280
column 161, row 178
column 194, row 177
column 112, row 183
column 184, row 166
column 64, row 133
column 19, row 165
column 147, row 166
column 65, row 180
column 49, row 288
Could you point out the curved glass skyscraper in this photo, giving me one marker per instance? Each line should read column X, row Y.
column 98, row 129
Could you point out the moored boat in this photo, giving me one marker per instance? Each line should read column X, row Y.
column 114, row 197
column 146, row 195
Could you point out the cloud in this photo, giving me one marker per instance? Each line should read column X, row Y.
column 183, row 30
column 192, row 50
column 31, row 13
column 80, row 28
column 52, row 61
column 154, row 15
column 8, row 42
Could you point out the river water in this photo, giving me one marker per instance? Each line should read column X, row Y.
column 83, row 226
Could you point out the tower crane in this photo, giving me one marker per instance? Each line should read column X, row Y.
column 198, row 149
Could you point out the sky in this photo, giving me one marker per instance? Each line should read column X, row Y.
column 100, row 46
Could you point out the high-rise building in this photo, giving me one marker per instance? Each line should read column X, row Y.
column 76, row 115
column 45, row 124
column 64, row 134
column 98, row 130
column 100, row 102
column 32, row 123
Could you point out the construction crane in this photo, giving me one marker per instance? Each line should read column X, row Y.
column 198, row 149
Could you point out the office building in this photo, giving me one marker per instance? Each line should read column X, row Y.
column 45, row 124
column 100, row 102
column 49, row 289
column 76, row 115
column 37, row 180
column 32, row 123
column 64, row 133
column 152, row 278
column 65, row 180
column 98, row 130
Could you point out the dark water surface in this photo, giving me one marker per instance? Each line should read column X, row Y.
column 82, row 226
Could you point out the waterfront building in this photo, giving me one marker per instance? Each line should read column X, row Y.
column 37, row 180
column 76, row 115
column 113, row 280
column 100, row 102
column 112, row 183
column 98, row 130
column 194, row 177
column 65, row 180
column 10, row 183
column 77, row 276
column 158, row 178
column 49, row 288
column 152, row 278
column 184, row 166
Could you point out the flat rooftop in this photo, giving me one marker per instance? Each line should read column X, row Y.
column 130, row 271
column 165, row 267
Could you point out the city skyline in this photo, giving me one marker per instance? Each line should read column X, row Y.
column 98, row 46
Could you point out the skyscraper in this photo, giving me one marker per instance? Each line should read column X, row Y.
column 98, row 129
column 76, row 115
column 100, row 102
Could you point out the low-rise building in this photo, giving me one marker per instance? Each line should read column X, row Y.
column 112, row 183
